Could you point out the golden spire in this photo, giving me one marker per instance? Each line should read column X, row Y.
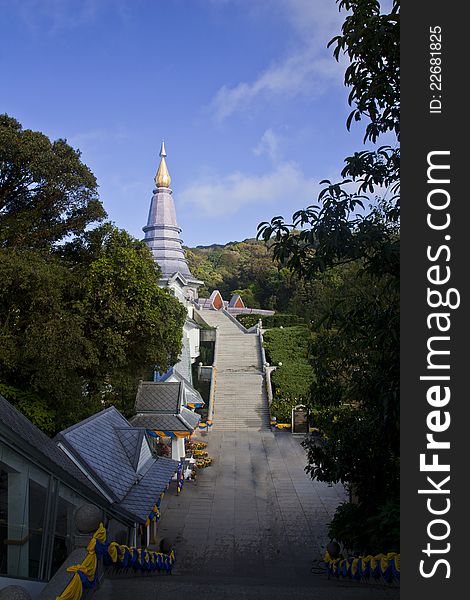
column 162, row 178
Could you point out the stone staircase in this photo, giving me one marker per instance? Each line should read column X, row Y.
column 241, row 400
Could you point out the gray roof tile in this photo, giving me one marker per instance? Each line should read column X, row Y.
column 190, row 418
column 95, row 442
column 109, row 447
column 21, row 431
column 191, row 395
column 141, row 498
column 166, row 422
column 161, row 397
column 131, row 440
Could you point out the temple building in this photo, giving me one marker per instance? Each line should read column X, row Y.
column 162, row 237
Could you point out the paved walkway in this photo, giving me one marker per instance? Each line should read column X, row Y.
column 255, row 500
column 250, row 526
column 241, row 401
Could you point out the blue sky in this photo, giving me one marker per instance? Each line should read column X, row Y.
column 246, row 95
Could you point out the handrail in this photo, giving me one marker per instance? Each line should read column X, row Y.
column 364, row 567
column 119, row 555
column 213, row 386
column 263, row 353
column 236, row 321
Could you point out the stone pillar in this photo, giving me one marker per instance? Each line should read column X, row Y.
column 87, row 520
column 153, row 533
column 177, row 448
column 182, row 449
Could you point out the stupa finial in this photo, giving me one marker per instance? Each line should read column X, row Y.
column 162, row 178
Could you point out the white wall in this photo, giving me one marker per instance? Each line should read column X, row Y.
column 193, row 334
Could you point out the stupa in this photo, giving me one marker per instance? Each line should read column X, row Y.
column 162, row 235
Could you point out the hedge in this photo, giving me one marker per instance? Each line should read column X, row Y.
column 291, row 381
column 276, row 320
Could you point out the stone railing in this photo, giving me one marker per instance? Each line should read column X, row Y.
column 213, row 386
column 269, row 387
column 261, row 348
column 237, row 322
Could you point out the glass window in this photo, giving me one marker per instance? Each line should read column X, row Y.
column 3, row 520
column 23, row 501
column 36, row 516
column 67, row 503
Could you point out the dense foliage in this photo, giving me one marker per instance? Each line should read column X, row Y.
column 244, row 268
column 46, row 192
column 287, row 349
column 275, row 320
column 354, row 349
column 247, row 268
column 82, row 321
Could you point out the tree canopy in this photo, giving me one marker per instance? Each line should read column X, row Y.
column 355, row 339
column 82, row 317
column 46, row 192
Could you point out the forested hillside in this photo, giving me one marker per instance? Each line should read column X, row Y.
column 248, row 268
column 244, row 267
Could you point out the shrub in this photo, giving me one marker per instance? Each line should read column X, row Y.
column 291, row 381
column 276, row 320
column 361, row 532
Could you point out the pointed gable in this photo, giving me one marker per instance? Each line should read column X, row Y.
column 131, row 440
column 236, row 302
column 216, row 300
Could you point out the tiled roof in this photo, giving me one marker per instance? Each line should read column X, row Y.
column 34, row 442
column 189, row 417
column 167, row 422
column 131, row 440
column 140, row 498
column 109, row 448
column 95, row 442
column 234, row 299
column 156, row 396
column 192, row 396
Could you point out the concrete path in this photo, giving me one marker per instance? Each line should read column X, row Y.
column 241, row 401
column 254, row 501
column 249, row 527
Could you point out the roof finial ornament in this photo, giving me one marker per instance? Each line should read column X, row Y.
column 162, row 178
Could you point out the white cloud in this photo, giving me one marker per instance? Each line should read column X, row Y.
column 53, row 16
column 216, row 196
column 309, row 68
column 269, row 144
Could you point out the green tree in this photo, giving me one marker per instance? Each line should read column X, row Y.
column 82, row 317
column 133, row 324
column 355, row 346
column 78, row 332
column 43, row 347
column 46, row 192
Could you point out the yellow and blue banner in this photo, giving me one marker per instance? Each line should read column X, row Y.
column 386, row 566
column 112, row 553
